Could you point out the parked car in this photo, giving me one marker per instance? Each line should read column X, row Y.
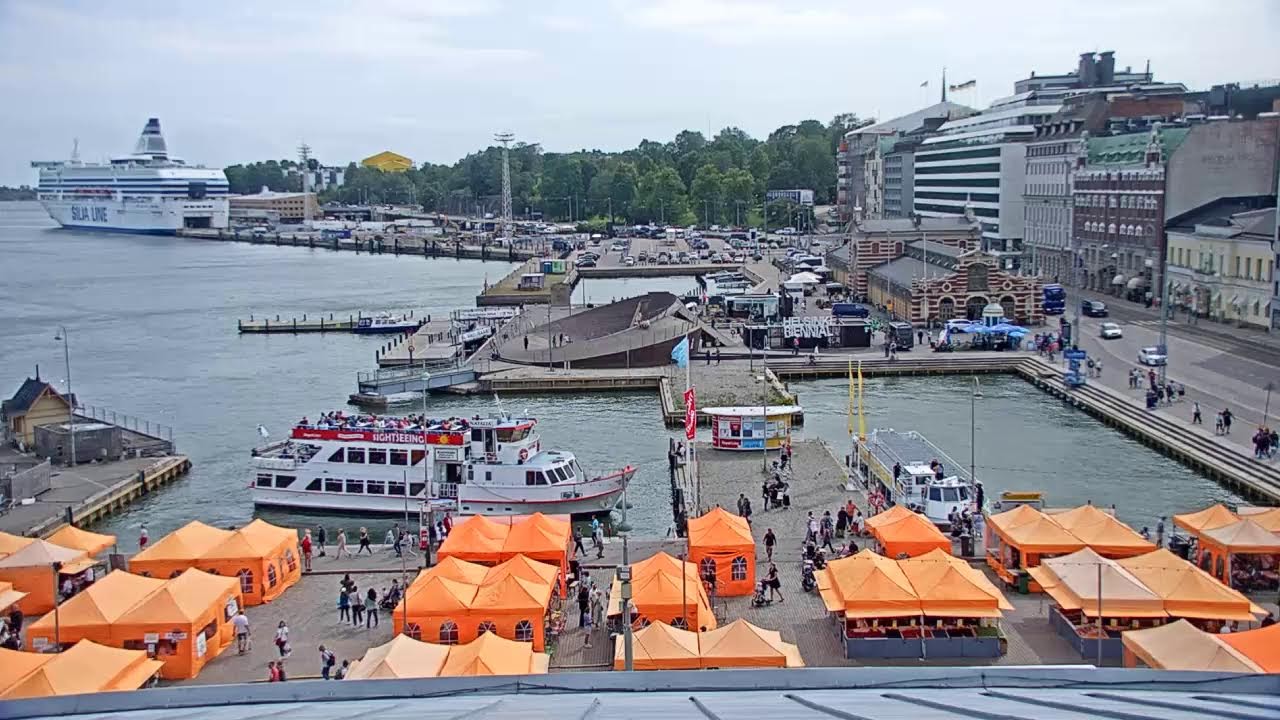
column 1110, row 331
column 628, row 261
column 586, row 262
column 1151, row 356
column 787, row 231
column 1093, row 308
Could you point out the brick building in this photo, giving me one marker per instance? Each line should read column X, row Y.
column 874, row 242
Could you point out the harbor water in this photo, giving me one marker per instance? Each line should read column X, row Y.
column 151, row 323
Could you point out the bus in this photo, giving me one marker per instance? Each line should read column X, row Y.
column 1055, row 299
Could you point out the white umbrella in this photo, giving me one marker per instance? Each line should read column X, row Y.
column 804, row 277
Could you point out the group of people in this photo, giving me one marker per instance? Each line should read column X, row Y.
column 597, row 539
column 591, row 608
column 339, row 420
column 1047, row 345
column 1265, row 441
column 11, row 629
column 362, row 608
column 821, row 532
column 399, row 540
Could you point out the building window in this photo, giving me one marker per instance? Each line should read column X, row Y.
column 488, row 626
column 413, row 630
column 290, row 560
column 448, row 633
column 271, row 575
column 738, row 569
column 946, row 309
column 246, row 581
column 1010, row 307
column 524, row 631
column 1111, row 229
column 978, row 273
column 707, row 567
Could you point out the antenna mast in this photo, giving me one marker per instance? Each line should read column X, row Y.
column 304, row 160
column 505, row 138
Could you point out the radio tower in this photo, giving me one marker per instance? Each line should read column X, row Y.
column 505, row 138
column 304, row 160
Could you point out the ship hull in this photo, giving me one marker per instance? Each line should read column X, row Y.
column 157, row 217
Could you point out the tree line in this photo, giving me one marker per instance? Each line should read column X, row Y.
column 689, row 179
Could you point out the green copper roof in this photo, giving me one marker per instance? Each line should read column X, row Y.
column 886, row 144
column 1131, row 148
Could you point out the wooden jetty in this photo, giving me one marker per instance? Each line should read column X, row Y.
column 303, row 324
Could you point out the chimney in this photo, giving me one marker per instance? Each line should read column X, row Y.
column 1084, row 73
column 1107, row 67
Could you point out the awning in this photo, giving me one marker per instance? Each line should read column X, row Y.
column 1117, row 280
column 1134, row 282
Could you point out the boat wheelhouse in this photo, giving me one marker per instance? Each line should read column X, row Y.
column 907, row 469
column 477, row 466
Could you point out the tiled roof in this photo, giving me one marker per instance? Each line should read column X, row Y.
column 1131, row 148
column 25, row 397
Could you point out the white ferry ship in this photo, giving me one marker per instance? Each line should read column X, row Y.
column 148, row 191
column 478, row 466
column 906, row 469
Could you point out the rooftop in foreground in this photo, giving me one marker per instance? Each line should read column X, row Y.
column 1040, row 693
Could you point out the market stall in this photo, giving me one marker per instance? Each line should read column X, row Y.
column 78, row 539
column 1019, row 539
column 906, row 533
column 1261, row 646
column 10, row 544
column 659, row 646
column 1267, row 517
column 1181, row 646
column 489, row 654
column 750, row 427
column 86, row 667
column 8, row 596
column 38, row 569
column 1102, row 532
column 264, row 557
column 477, row 539
column 402, row 657
column 1243, row 554
column 664, row 589
column 1189, row 592
column 722, row 547
column 91, row 613
column 1214, row 516
column 177, row 551
column 540, row 537
column 741, row 644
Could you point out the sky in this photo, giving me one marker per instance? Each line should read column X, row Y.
column 239, row 81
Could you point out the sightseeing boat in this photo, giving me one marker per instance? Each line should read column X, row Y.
column 925, row 479
column 478, row 466
column 384, row 324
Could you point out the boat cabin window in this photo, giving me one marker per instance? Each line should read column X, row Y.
column 337, row 455
column 935, row 494
column 560, row 473
column 355, row 487
column 417, row 456
column 375, row 487
column 506, row 435
column 533, row 477
column 332, row 485
column 355, row 455
column 377, row 456
column 264, row 480
column 284, row 481
column 395, row 488
column 415, row 489
column 314, row 485
column 399, row 457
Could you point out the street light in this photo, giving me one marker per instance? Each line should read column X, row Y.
column 64, row 336
column 973, row 433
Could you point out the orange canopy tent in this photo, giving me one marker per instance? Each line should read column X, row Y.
column 867, row 585
column 949, row 587
column 10, row 544
column 1262, row 646
column 540, row 537
column 521, row 567
column 31, row 570
column 911, row 534
column 91, row 613
column 177, row 551
column 720, row 543
column 1103, row 532
column 403, row 657
column 490, row 654
column 1268, row 518
column 741, row 644
column 663, row 562
column 1033, row 533
column 188, row 619
column 1188, row 591
column 1243, row 537
column 667, row 589
column 1214, row 516
column 90, row 542
column 9, row 596
column 512, row 607
column 1072, row 581
column 479, row 539
column 262, row 556
column 890, row 516
column 84, row 668
column 476, row 539
column 659, row 646
column 1182, row 646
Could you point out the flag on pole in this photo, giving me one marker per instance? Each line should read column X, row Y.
column 964, row 85
column 680, row 353
column 690, row 414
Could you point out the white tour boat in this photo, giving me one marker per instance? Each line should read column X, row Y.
column 478, row 466
column 909, row 470
column 385, row 324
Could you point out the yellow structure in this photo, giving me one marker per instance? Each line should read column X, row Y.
column 35, row 403
column 387, row 161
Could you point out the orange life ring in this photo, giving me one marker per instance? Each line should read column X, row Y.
column 524, row 454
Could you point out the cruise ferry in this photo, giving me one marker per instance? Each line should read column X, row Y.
column 478, row 466
column 148, row 191
column 906, row 469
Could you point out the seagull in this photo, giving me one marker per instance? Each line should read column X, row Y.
column 262, row 430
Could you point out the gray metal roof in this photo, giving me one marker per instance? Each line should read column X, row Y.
column 909, row 693
column 911, row 121
column 907, row 225
column 903, row 270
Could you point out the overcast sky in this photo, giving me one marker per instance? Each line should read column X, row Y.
column 434, row 79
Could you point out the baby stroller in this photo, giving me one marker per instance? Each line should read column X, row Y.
column 761, row 598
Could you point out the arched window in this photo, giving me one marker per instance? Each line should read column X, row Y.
column 175, row 574
column 246, row 580
column 290, row 560
column 1111, row 229
column 738, row 569
column 413, row 630
column 679, row 622
column 946, row 309
column 448, row 633
column 488, row 626
column 707, row 568
column 1010, row 307
column 524, row 631
column 875, row 248
column 1124, row 201
column 271, row 575
column 978, row 277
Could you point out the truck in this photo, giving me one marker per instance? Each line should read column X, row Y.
column 1055, row 299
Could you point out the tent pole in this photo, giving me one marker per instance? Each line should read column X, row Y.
column 1099, row 638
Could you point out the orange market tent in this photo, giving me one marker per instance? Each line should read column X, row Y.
column 262, row 556
column 1243, row 537
column 9, row 596
column 890, row 516
column 30, row 570
column 659, row 646
column 1188, row 591
column 91, row 613
column 521, row 567
column 512, row 607
column 177, row 551
column 1182, row 646
column 540, row 537
column 867, row 585
column 1033, row 533
column 721, row 542
column 403, row 657
column 84, row 668
column 1072, row 581
column 188, row 619
column 1262, row 646
column 911, row 534
column 1103, row 532
column 90, row 542
column 1268, row 518
column 476, row 539
column 1211, row 517
column 949, row 587
column 479, row 539
column 454, row 569
column 436, row 607
column 10, row 544
column 663, row 588
column 741, row 644
column 493, row 655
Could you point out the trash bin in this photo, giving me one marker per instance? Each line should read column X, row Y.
column 1024, row 583
column 966, row 545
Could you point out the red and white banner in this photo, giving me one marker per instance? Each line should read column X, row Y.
column 412, row 437
column 690, row 414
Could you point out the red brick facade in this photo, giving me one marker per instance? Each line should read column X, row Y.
column 971, row 287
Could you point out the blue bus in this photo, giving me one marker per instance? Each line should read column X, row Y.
column 1055, row 299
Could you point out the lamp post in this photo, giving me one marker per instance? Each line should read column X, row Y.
column 973, row 433
column 1266, row 409
column 63, row 335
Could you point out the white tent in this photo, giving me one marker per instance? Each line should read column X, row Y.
column 806, row 278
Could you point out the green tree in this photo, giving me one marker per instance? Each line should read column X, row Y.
column 738, row 188
column 707, row 193
column 623, row 189
column 660, row 196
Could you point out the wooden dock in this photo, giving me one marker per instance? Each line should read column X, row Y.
column 303, row 324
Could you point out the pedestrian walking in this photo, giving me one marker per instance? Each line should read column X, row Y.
column 775, row 585
column 344, row 604
column 282, row 639
column 143, row 538
column 371, row 609
column 321, row 540
column 364, row 542
column 717, row 356
column 746, row 509
column 811, row 529
column 241, row 624
column 597, row 539
column 1195, row 414
column 306, row 551
column 795, row 346
column 1217, row 424
column 327, row 661
column 1226, row 421
column 526, row 342
column 406, row 543
column 584, row 597
column 357, row 606
column 577, row 542
column 396, row 542
column 1160, row 532
column 769, row 541
column 342, row 545
column 280, row 675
